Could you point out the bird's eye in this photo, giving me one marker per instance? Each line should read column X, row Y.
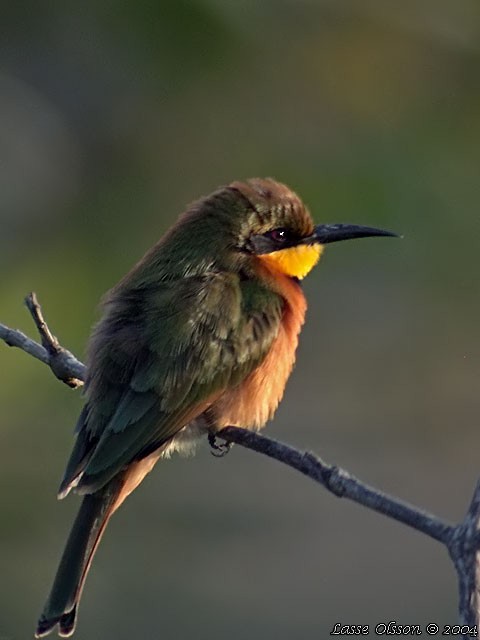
column 279, row 236
column 273, row 240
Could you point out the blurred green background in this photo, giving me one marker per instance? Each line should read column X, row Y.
column 115, row 115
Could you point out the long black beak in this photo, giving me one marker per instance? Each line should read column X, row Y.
column 325, row 233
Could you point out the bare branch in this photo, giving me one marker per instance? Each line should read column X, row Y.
column 341, row 483
column 15, row 338
column 464, row 551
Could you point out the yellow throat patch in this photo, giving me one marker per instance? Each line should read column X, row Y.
column 294, row 261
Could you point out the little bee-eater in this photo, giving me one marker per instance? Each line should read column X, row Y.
column 200, row 335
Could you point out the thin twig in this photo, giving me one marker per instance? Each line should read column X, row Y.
column 49, row 341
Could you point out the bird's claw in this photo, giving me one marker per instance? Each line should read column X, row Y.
column 218, row 450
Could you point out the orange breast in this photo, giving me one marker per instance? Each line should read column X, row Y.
column 253, row 403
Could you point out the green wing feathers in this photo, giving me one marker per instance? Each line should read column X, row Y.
column 158, row 355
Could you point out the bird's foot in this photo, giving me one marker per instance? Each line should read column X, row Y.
column 218, row 450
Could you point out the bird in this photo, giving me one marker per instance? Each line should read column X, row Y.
column 201, row 334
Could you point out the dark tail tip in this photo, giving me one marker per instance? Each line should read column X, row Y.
column 45, row 626
column 66, row 624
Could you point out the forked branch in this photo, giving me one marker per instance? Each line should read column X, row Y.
column 63, row 364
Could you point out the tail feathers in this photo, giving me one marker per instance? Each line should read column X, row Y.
column 66, row 624
column 92, row 518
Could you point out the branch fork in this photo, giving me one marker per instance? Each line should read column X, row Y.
column 62, row 362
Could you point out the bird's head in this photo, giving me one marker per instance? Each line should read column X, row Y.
column 278, row 230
